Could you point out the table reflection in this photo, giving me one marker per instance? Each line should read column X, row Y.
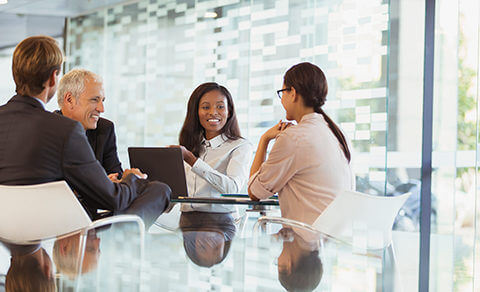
column 30, row 269
column 207, row 236
column 299, row 264
column 212, row 256
column 67, row 254
column 204, row 254
column 107, row 258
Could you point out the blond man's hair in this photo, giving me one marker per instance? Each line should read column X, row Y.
column 34, row 60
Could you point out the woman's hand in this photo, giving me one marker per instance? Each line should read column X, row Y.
column 273, row 132
column 188, row 156
column 261, row 153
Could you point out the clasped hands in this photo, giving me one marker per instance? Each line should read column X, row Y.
column 274, row 131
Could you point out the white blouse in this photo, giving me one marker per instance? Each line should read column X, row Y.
column 222, row 168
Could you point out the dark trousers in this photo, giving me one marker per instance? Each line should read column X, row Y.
column 150, row 203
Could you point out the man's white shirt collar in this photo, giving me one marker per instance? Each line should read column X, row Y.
column 42, row 103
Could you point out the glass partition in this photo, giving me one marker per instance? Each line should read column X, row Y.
column 152, row 54
column 7, row 86
column 455, row 144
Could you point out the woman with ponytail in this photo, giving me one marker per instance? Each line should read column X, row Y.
column 309, row 162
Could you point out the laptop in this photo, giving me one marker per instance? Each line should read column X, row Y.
column 163, row 164
column 166, row 165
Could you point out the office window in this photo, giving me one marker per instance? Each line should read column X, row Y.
column 455, row 245
column 152, row 55
column 7, row 86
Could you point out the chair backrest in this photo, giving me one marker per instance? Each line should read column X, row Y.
column 35, row 212
column 361, row 219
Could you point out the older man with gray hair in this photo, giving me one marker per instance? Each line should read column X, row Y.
column 81, row 97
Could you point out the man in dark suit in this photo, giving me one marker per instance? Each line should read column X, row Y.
column 80, row 97
column 37, row 146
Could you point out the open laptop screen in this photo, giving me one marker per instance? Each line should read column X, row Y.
column 162, row 164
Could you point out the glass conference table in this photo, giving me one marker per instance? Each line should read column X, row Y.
column 207, row 252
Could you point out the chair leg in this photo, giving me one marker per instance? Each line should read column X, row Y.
column 391, row 277
column 80, row 256
column 141, row 230
column 241, row 224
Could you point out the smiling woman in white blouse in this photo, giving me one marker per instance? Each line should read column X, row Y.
column 217, row 157
column 309, row 162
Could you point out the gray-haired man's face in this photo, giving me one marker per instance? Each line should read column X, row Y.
column 89, row 105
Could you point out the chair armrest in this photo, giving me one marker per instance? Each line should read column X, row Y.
column 290, row 222
column 117, row 219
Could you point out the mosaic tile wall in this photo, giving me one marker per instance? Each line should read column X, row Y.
column 152, row 54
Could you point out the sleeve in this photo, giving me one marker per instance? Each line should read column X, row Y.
column 84, row 173
column 236, row 174
column 277, row 170
column 110, row 162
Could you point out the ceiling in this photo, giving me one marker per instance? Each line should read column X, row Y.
column 23, row 18
column 14, row 28
column 63, row 8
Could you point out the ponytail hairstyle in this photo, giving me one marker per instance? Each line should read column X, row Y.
column 192, row 133
column 310, row 82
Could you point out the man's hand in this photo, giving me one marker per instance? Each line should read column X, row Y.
column 114, row 177
column 136, row 172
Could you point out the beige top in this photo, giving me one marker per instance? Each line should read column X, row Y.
column 305, row 167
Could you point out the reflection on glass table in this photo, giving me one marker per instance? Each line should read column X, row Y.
column 66, row 254
column 31, row 269
column 272, row 259
column 207, row 236
column 299, row 265
column 170, row 220
column 205, row 254
column 104, row 258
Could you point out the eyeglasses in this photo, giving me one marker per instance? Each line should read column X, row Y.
column 280, row 92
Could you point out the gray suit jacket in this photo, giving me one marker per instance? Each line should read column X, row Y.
column 37, row 146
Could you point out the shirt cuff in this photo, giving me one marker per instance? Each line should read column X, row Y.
column 257, row 189
column 201, row 168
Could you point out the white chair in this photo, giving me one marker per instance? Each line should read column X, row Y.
column 35, row 212
column 361, row 220
column 32, row 213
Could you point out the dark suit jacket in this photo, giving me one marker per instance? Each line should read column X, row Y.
column 37, row 146
column 104, row 144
